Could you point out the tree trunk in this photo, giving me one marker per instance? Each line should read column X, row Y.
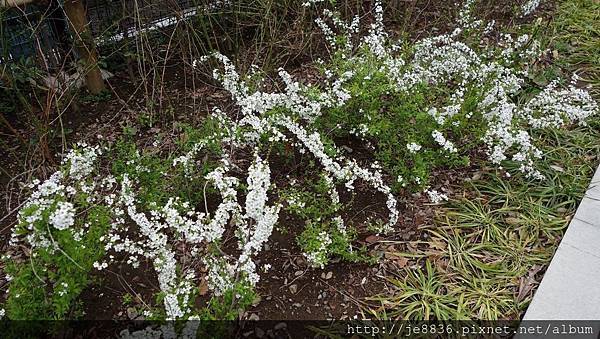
column 84, row 45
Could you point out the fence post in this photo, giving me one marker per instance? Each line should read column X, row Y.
column 84, row 45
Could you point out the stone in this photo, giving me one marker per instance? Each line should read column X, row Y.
column 280, row 326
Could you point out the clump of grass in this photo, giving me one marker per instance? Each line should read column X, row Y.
column 575, row 38
column 486, row 250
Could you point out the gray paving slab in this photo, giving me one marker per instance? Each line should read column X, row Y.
column 570, row 289
column 585, row 237
column 589, row 208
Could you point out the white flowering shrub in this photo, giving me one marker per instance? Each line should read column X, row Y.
column 442, row 97
column 202, row 215
column 60, row 225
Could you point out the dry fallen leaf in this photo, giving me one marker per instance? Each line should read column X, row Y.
column 373, row 238
column 437, row 243
column 512, row 221
column 401, row 262
column 412, row 247
column 526, row 284
column 203, row 288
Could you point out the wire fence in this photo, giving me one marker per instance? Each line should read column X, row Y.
column 114, row 17
column 40, row 31
column 30, row 32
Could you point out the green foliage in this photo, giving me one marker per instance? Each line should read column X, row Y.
column 46, row 285
column 104, row 96
column 575, row 35
column 424, row 296
column 146, row 167
column 312, row 202
column 229, row 305
column 15, row 85
column 158, row 178
column 311, row 241
column 208, row 132
column 389, row 121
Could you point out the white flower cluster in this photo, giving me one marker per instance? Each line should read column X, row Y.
column 307, row 108
column 177, row 222
column 48, row 203
column 465, row 16
column 156, row 244
column 81, row 162
column 318, row 257
column 377, row 37
column 529, row 6
column 262, row 218
column 333, row 193
column 63, row 216
column 185, row 160
column 311, row 2
column 163, row 258
column 444, row 59
column 447, row 145
column 435, row 196
column 555, row 107
column 413, row 147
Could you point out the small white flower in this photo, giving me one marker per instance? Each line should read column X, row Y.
column 64, row 215
column 435, row 196
column 442, row 141
column 413, row 147
column 529, row 6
